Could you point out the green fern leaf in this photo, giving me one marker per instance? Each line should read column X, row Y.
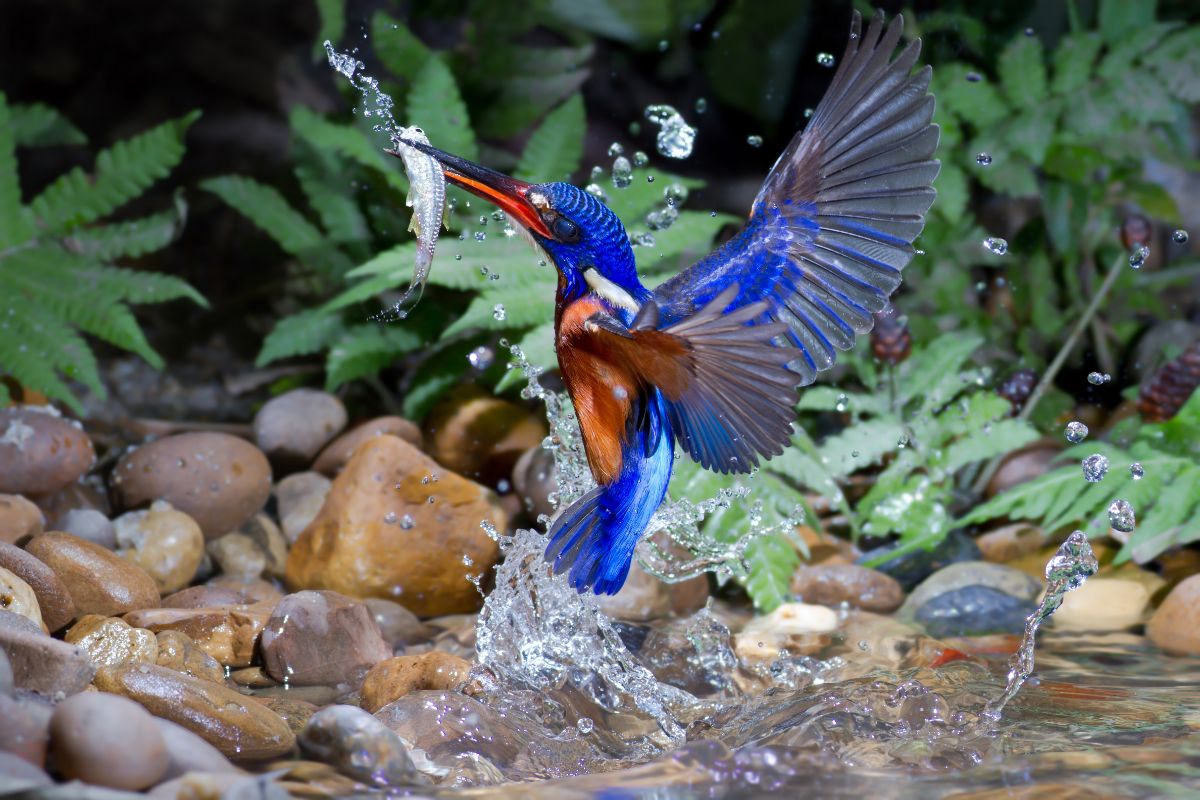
column 330, row 196
column 38, row 344
column 434, row 103
column 995, row 439
column 395, row 45
column 14, row 220
column 300, row 334
column 1022, row 70
column 438, row 373
column 122, row 173
column 504, row 309
column 365, row 350
column 861, row 445
column 689, row 239
column 333, row 24
column 136, row 286
column 554, row 150
column 348, row 141
column 133, row 238
column 38, row 125
column 267, row 209
column 1073, row 60
column 772, row 560
column 460, row 265
column 1174, row 519
column 933, row 372
column 633, row 202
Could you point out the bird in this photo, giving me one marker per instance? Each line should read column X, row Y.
column 711, row 360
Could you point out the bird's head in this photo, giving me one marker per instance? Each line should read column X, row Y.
column 581, row 235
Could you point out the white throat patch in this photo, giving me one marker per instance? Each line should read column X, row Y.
column 609, row 290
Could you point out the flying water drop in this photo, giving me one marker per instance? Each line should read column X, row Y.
column 826, row 59
column 996, row 245
column 1098, row 378
column 983, row 159
column 1095, row 467
column 499, row 312
column 1138, row 256
column 1076, row 432
column 675, row 136
column 701, row 105
column 615, row 149
column 640, row 159
column 595, row 191
column 1136, row 471
column 1121, row 517
column 622, row 172
column 481, row 357
column 1180, row 236
column 754, row 140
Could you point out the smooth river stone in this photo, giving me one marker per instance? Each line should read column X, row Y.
column 861, row 587
column 19, row 518
column 218, row 480
column 40, row 663
column 110, row 641
column 53, row 599
column 168, row 544
column 106, row 740
column 358, row 745
column 17, row 597
column 293, row 427
column 234, row 724
column 99, row 581
column 1175, row 626
column 177, row 651
column 335, row 456
column 40, row 452
column 228, row 633
column 321, row 638
column 395, row 677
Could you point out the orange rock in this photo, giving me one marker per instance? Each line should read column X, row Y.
column 392, row 679
column 397, row 525
column 228, row 634
column 481, row 436
column 338, row 452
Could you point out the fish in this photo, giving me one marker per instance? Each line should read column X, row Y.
column 427, row 199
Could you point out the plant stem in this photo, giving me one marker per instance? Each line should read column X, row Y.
column 1052, row 371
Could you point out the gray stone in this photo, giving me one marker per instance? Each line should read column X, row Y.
column 974, row 611
column 90, row 525
column 358, row 745
column 40, row 663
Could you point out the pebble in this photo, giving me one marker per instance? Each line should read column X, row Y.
column 19, row 518
column 800, row 628
column 17, row 597
column 399, row 626
column 266, row 535
column 293, row 427
column 6, row 676
column 237, row 726
column 19, row 775
column 299, row 498
column 1023, row 465
column 447, row 724
column 913, row 567
column 321, row 637
column 1103, row 604
column 217, row 479
column 972, row 598
column 395, row 677
column 480, row 436
column 98, row 580
column 388, row 529
column 334, row 457
column 1011, row 542
column 237, row 556
column 177, row 651
column 229, row 634
column 40, row 452
column 25, row 731
column 168, row 544
column 1175, row 626
column 645, row 597
column 187, row 752
column 110, row 641
column 54, row 601
column 40, row 663
column 294, row 711
column 861, row 587
column 358, row 745
column 535, row 478
column 105, row 740
column 90, row 525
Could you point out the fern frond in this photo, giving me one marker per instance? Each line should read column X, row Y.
column 130, row 239
column 347, row 141
column 504, row 309
column 772, row 559
column 300, row 334
column 366, row 349
column 333, row 23
column 266, row 207
column 538, row 346
column 435, row 104
column 39, row 125
column 122, row 173
column 14, row 219
column 396, row 46
column 554, row 150
column 136, row 286
column 330, row 196
column 37, row 345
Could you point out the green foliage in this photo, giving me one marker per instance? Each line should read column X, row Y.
column 56, row 277
column 1166, row 500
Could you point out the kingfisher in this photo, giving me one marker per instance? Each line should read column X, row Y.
column 711, row 360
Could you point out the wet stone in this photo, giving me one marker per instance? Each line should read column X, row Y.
column 861, row 587
column 359, row 746
column 269, row 539
column 17, row 597
column 480, row 436
column 972, row 611
column 187, row 752
column 321, row 637
column 237, row 556
column 912, row 568
column 99, row 581
column 1011, row 542
column 106, row 740
column 218, row 480
column 168, row 544
column 19, row 518
column 6, row 676
column 227, row 633
column 1023, row 465
column 18, row 774
column 110, row 641
column 393, row 678
column 54, row 601
column 337, row 454
column 294, row 711
column 1103, row 604
column 40, row 452
column 254, row 590
column 38, row 662
column 25, row 731
column 299, row 498
column 237, row 726
column 800, row 628
column 399, row 626
column 448, row 724
column 535, row 478
column 293, row 427
column 1175, row 626
column 90, row 525
column 177, row 651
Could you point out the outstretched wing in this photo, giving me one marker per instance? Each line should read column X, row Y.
column 834, row 222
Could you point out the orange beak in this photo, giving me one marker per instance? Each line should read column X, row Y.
column 509, row 194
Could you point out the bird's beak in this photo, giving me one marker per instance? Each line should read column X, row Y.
column 510, row 194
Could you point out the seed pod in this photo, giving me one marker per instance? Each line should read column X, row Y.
column 1163, row 395
column 1017, row 387
column 891, row 340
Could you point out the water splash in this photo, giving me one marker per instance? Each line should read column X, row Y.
column 377, row 105
column 675, row 137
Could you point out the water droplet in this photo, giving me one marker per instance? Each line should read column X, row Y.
column 841, row 403
column 983, row 159
column 675, row 136
column 615, row 149
column 643, row 239
column 1095, row 467
column 499, row 312
column 1121, row 517
column 649, row 179
column 676, row 194
column 701, row 105
column 1076, row 432
column 619, row 392
column 502, row 486
column 622, row 172
column 1136, row 471
column 458, row 256
column 640, row 159
column 826, row 59
column 468, row 561
column 1180, row 236
column 391, row 518
column 480, row 236
column 1098, row 378
column 595, row 191
column 973, row 77
column 1138, row 256
column 407, row 522
column 585, row 725
column 996, row 245
column 754, row 140
column 481, row 357
column 663, row 45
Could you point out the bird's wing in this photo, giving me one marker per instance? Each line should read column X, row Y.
column 728, row 387
column 834, row 222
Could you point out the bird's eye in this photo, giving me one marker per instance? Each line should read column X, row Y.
column 563, row 229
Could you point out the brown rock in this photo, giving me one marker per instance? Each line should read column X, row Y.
column 229, row 634
column 321, row 638
column 177, row 651
column 266, row 535
column 399, row 626
column 293, row 427
column 335, row 456
column 216, row 479
column 1023, row 465
column 234, row 724
column 861, row 587
column 187, row 752
column 168, row 544
column 1103, row 604
column 392, row 679
column 40, row 452
column 481, row 436
column 1010, row 542
column 645, row 597
column 107, row 740
column 17, row 597
column 19, row 518
column 255, row 590
column 25, row 731
column 294, row 712
column 223, row 591
column 1175, row 626
column 535, row 479
column 19, row 773
column 42, row 664
column 252, row 678
column 389, row 530
column 237, row 556
column 53, row 599
column 110, row 641
column 299, row 498
column 99, row 581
